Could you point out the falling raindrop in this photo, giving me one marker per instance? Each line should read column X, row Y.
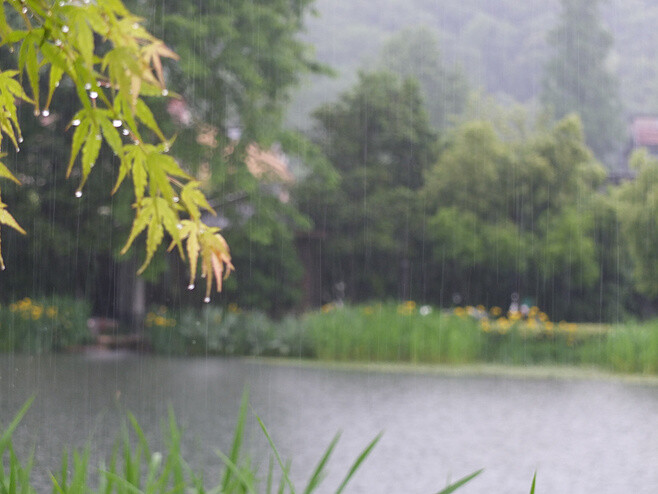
column 45, row 113
column 190, row 286
column 117, row 123
column 78, row 194
column 75, row 122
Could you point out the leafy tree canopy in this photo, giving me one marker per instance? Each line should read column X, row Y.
column 114, row 64
column 577, row 78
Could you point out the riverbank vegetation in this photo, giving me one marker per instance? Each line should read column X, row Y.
column 413, row 334
column 377, row 332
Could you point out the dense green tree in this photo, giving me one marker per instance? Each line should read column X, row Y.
column 378, row 138
column 415, row 52
column 577, row 78
column 638, row 210
column 514, row 215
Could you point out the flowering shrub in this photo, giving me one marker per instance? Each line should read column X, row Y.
column 36, row 326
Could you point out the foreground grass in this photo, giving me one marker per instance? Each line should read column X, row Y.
column 135, row 469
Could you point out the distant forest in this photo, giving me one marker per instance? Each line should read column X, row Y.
column 501, row 47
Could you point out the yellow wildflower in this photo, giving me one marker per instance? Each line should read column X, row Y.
column 51, row 312
column 514, row 315
column 36, row 312
column 496, row 311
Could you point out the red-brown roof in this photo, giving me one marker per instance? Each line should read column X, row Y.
column 644, row 131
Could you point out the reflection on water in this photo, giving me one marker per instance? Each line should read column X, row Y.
column 581, row 436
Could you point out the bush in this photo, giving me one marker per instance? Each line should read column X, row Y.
column 37, row 326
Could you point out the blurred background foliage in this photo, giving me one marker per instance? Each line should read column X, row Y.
column 436, row 167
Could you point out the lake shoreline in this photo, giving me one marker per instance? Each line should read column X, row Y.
column 466, row 370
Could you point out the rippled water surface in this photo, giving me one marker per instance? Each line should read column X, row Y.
column 582, row 436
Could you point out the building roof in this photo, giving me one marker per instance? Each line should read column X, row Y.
column 644, row 131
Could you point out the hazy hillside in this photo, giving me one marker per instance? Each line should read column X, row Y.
column 501, row 46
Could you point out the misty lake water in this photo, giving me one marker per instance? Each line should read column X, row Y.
column 580, row 435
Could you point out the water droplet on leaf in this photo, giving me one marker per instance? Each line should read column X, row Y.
column 207, row 300
column 78, row 194
column 165, row 92
column 58, row 42
column 125, row 132
column 190, row 286
column 117, row 123
column 65, row 29
column 20, row 139
column 176, row 199
column 24, row 10
column 75, row 122
column 93, row 94
column 88, row 86
column 45, row 113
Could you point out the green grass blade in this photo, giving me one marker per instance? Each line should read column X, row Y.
column 270, row 471
column 316, row 478
column 534, row 480
column 234, row 455
column 5, row 438
column 355, row 466
column 120, row 481
column 284, row 470
column 235, row 470
column 460, row 482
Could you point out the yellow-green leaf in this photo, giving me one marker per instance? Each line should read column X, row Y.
column 142, row 219
column 112, row 136
column 8, row 219
column 146, row 116
column 154, row 238
column 5, row 173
